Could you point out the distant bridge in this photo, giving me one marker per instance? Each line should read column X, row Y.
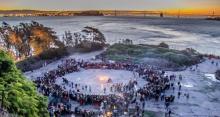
column 130, row 13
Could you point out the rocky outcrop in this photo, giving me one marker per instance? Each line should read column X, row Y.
column 217, row 74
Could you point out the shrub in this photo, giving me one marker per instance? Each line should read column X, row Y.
column 20, row 95
column 163, row 45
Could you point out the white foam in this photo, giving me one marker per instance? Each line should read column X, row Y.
column 211, row 77
column 188, row 85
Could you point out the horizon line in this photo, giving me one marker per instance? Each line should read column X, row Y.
column 168, row 11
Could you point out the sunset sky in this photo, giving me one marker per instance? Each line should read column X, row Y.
column 188, row 6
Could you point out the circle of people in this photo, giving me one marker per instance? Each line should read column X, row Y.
column 157, row 82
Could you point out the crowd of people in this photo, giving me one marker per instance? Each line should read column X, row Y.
column 157, row 82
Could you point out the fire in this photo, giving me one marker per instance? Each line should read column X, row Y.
column 103, row 79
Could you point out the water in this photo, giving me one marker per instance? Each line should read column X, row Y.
column 202, row 35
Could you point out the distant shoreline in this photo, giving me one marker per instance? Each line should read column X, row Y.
column 214, row 18
column 128, row 16
column 25, row 13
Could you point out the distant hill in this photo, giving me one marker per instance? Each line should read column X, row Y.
column 213, row 18
column 77, row 13
column 89, row 13
column 18, row 11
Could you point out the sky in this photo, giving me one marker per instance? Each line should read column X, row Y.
column 191, row 6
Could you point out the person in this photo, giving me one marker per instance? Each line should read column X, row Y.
column 173, row 89
column 90, row 89
column 109, row 80
column 180, row 87
column 143, row 105
column 180, row 77
column 179, row 93
column 170, row 112
column 187, row 95
column 104, row 90
column 162, row 96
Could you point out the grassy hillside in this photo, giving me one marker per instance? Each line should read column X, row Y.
column 19, row 95
column 135, row 53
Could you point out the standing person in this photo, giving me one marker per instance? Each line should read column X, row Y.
column 45, row 63
column 180, row 77
column 90, row 89
column 179, row 93
column 170, row 112
column 197, row 66
column 143, row 105
column 187, row 96
column 104, row 90
column 180, row 87
column 173, row 89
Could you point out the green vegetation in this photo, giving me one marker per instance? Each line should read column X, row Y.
column 134, row 53
column 20, row 95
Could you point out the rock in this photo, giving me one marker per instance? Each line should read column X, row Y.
column 217, row 74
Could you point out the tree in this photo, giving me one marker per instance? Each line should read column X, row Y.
column 20, row 95
column 68, row 38
column 94, row 34
column 26, row 36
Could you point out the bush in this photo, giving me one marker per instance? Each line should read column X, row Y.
column 37, row 61
column 163, row 45
column 53, row 53
column 20, row 95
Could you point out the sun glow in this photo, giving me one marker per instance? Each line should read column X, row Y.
column 192, row 11
column 193, row 7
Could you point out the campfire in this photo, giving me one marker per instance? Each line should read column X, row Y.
column 103, row 79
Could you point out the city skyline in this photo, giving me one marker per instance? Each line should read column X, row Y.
column 172, row 6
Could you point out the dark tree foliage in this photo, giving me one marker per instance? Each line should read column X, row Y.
column 4, row 66
column 98, row 36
